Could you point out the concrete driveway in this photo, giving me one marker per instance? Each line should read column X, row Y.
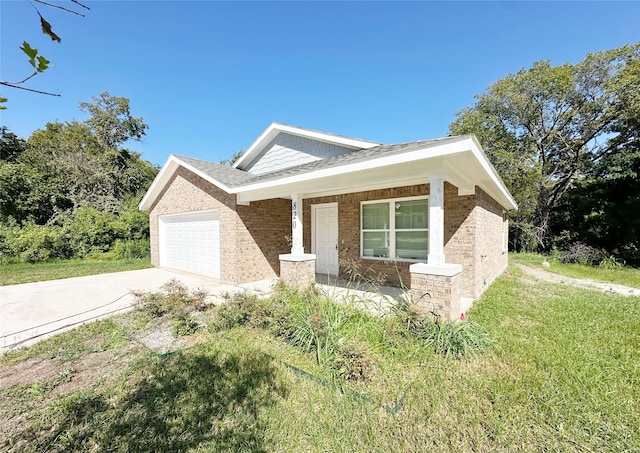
column 33, row 311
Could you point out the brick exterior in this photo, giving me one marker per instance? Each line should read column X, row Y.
column 437, row 294
column 251, row 237
column 473, row 235
column 394, row 273
column 298, row 273
column 491, row 258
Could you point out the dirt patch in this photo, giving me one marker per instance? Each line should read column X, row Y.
column 28, row 372
column 604, row 287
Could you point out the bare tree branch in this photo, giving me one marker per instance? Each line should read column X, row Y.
column 80, row 4
column 9, row 84
column 59, row 7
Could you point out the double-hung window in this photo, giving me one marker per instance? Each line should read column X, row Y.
column 395, row 229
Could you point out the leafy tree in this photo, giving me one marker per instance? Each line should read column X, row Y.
column 237, row 155
column 66, row 190
column 37, row 61
column 112, row 122
column 547, row 126
column 11, row 145
column 603, row 209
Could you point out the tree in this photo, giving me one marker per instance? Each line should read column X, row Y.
column 547, row 126
column 37, row 61
column 232, row 160
column 111, row 121
column 11, row 146
column 65, row 166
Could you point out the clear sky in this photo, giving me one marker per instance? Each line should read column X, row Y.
column 208, row 77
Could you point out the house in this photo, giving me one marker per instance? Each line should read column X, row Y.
column 431, row 215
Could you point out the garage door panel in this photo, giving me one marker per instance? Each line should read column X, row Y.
column 191, row 243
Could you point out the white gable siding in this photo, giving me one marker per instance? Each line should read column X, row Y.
column 287, row 150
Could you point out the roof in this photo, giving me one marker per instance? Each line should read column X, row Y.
column 459, row 160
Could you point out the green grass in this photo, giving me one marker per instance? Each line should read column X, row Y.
column 563, row 375
column 621, row 275
column 16, row 273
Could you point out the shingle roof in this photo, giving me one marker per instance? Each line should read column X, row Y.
column 227, row 175
column 233, row 177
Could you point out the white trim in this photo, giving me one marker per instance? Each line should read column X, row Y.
column 275, row 128
column 431, row 152
column 165, row 174
column 297, row 257
column 392, row 228
column 447, row 270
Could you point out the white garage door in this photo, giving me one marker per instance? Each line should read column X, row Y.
column 191, row 242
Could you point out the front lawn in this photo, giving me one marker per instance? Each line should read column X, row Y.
column 16, row 273
column 562, row 375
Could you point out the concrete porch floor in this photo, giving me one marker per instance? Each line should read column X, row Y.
column 375, row 299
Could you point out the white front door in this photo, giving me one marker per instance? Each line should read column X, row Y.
column 325, row 238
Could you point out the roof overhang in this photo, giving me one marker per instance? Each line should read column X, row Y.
column 275, row 128
column 458, row 160
column 165, row 175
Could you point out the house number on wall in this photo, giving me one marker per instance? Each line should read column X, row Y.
column 294, row 214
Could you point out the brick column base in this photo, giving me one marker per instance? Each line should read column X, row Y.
column 298, row 270
column 436, row 289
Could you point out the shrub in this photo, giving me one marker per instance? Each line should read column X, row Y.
column 176, row 301
column 450, row 338
column 582, row 254
column 33, row 243
column 131, row 249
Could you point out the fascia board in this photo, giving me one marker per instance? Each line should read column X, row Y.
column 275, row 128
column 165, row 174
column 491, row 171
column 409, row 156
column 158, row 184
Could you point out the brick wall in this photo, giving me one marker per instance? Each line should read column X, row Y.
column 261, row 238
column 298, row 273
column 459, row 236
column 250, row 238
column 394, row 273
column 491, row 252
column 439, row 294
column 464, row 216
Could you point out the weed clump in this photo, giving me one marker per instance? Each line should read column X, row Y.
column 175, row 301
column 449, row 338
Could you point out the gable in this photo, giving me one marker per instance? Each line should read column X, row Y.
column 287, row 150
column 281, row 146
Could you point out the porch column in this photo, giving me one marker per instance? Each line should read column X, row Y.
column 297, row 268
column 297, row 247
column 436, row 220
column 436, row 284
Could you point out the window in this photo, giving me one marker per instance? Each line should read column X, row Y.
column 395, row 229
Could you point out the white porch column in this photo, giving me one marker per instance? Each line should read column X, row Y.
column 297, row 246
column 436, row 220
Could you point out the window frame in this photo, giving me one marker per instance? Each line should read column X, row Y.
column 391, row 229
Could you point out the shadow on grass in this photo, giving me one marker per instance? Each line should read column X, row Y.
column 209, row 398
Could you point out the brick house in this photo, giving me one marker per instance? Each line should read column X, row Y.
column 431, row 215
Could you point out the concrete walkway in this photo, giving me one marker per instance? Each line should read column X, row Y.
column 33, row 311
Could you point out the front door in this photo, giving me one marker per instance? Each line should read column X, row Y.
column 325, row 238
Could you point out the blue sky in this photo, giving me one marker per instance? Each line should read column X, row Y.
column 208, row 77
